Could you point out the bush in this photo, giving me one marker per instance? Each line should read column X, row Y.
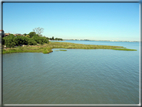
column 40, row 40
column 32, row 42
column 21, row 40
column 12, row 44
column 27, row 36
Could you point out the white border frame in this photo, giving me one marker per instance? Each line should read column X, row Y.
column 74, row 1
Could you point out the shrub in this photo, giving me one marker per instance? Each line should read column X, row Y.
column 40, row 40
column 27, row 36
column 32, row 42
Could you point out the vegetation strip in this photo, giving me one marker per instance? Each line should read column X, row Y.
column 47, row 48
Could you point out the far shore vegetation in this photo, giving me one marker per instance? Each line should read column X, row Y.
column 34, row 42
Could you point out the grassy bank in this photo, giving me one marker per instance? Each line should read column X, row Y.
column 47, row 48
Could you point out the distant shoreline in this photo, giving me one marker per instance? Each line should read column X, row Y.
column 98, row 40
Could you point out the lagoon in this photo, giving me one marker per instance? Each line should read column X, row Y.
column 75, row 76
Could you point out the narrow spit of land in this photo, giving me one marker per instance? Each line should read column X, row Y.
column 47, row 48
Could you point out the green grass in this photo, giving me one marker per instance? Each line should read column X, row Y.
column 61, row 50
column 124, row 49
column 47, row 48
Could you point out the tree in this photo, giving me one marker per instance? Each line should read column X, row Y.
column 38, row 30
column 52, row 38
column 25, row 34
column 31, row 34
column 9, row 41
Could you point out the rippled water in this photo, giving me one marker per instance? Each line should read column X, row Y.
column 75, row 76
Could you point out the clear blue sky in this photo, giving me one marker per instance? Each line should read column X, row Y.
column 98, row 21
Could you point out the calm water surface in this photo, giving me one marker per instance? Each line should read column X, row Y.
column 75, row 76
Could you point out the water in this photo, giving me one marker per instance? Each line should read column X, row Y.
column 75, row 76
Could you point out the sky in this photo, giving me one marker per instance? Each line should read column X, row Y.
column 95, row 21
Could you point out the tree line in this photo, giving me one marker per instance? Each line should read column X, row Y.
column 29, row 39
column 52, row 38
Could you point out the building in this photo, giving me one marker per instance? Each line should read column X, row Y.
column 18, row 34
column 6, row 34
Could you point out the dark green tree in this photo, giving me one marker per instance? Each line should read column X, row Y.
column 52, row 38
column 8, row 41
column 31, row 34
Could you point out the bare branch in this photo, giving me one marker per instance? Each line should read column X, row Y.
column 38, row 30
